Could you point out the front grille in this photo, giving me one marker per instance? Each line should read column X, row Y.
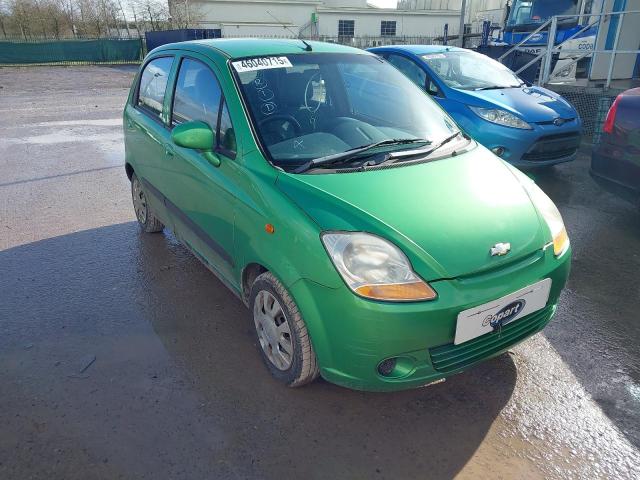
column 552, row 147
column 551, row 122
column 450, row 357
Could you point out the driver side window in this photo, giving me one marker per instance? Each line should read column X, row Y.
column 198, row 97
column 416, row 74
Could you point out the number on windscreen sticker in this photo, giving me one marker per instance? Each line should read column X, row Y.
column 261, row 63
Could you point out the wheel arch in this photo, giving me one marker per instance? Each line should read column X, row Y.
column 249, row 273
column 129, row 170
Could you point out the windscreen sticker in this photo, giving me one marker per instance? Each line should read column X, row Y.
column 261, row 63
column 434, row 55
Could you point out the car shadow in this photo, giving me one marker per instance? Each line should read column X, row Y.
column 156, row 316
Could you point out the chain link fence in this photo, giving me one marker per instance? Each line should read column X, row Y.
column 592, row 105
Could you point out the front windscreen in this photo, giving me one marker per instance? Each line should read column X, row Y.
column 535, row 12
column 311, row 105
column 469, row 70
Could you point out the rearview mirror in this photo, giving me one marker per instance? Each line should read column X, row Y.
column 197, row 136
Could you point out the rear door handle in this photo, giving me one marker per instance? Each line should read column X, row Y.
column 169, row 151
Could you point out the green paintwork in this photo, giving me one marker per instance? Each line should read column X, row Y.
column 444, row 215
column 198, row 136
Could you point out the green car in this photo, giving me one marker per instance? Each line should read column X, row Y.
column 374, row 243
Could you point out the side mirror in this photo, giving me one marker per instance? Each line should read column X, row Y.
column 197, row 136
column 432, row 89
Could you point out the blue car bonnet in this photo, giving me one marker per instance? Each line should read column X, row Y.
column 532, row 104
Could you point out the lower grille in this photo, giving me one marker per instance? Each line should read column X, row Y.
column 450, row 357
column 552, row 147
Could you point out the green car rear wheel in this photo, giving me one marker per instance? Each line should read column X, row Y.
column 144, row 213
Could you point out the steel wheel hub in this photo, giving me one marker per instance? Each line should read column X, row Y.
column 273, row 330
column 139, row 202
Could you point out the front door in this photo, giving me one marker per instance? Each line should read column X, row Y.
column 202, row 196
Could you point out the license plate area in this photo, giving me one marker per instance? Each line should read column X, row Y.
column 492, row 315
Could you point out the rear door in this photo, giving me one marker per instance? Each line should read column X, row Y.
column 202, row 196
column 147, row 132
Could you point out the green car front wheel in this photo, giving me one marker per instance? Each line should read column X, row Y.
column 281, row 333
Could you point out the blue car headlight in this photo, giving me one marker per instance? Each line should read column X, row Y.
column 501, row 117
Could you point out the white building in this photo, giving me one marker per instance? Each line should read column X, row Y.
column 476, row 12
column 480, row 10
column 323, row 18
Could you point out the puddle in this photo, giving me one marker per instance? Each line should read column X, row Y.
column 105, row 122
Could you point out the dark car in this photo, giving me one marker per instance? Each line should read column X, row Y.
column 615, row 161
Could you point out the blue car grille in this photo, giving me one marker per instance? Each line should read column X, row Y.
column 557, row 121
column 450, row 357
column 553, row 147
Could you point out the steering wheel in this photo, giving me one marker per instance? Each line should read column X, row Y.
column 282, row 131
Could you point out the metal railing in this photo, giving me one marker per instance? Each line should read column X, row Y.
column 546, row 74
column 546, row 56
column 522, row 42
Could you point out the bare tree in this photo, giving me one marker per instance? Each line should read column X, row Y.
column 124, row 16
column 2, row 20
column 85, row 18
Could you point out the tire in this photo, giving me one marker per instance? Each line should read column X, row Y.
column 144, row 213
column 272, row 328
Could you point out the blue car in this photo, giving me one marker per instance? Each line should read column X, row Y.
column 527, row 126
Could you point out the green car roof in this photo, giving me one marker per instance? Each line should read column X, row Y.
column 250, row 47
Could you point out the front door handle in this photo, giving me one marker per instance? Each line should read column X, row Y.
column 169, row 151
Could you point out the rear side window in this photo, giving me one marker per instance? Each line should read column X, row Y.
column 153, row 84
column 197, row 94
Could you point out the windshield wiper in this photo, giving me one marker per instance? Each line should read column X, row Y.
column 423, row 152
column 353, row 152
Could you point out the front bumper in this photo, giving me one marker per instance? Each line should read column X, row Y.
column 352, row 336
column 545, row 145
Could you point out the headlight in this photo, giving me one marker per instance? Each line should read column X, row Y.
column 501, row 117
column 374, row 268
column 551, row 215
